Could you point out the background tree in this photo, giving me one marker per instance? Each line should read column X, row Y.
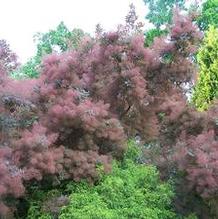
column 60, row 39
column 208, row 15
column 160, row 13
column 207, row 84
column 57, row 40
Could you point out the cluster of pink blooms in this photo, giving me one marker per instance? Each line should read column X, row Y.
column 86, row 102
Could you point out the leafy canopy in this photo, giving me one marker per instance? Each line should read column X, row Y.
column 161, row 12
column 58, row 40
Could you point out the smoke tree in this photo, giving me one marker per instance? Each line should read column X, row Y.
column 8, row 59
column 78, row 113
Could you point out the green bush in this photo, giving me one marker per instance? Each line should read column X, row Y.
column 36, row 199
column 131, row 191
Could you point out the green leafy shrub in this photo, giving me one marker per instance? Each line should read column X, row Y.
column 45, row 203
column 132, row 190
column 207, row 85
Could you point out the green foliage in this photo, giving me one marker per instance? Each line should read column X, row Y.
column 133, row 152
column 191, row 216
column 209, row 15
column 206, row 88
column 57, row 40
column 28, row 70
column 151, row 34
column 160, row 12
column 37, row 201
column 61, row 37
column 131, row 190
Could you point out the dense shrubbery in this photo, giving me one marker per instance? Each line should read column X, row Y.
column 78, row 113
column 131, row 190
